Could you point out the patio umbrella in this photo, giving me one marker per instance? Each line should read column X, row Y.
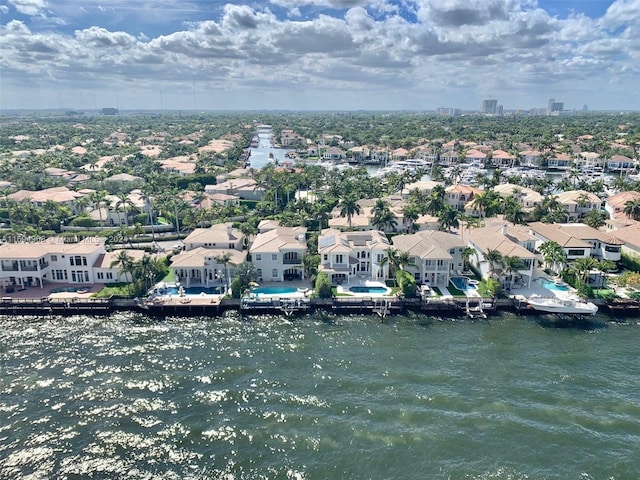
column 254, row 284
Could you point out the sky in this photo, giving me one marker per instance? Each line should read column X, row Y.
column 319, row 54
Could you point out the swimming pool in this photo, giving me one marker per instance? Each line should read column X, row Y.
column 364, row 289
column 69, row 289
column 191, row 290
column 274, row 290
column 551, row 285
column 462, row 283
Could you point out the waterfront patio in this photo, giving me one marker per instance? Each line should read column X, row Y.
column 46, row 291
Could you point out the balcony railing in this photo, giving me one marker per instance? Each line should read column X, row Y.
column 29, row 268
column 292, row 261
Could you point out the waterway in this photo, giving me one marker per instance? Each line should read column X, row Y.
column 318, row 397
column 265, row 152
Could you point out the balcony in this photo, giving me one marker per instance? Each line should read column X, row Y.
column 29, row 268
column 10, row 268
column 292, row 261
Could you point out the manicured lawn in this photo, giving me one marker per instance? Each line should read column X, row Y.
column 437, row 291
column 335, row 293
column 454, row 291
column 106, row 292
column 169, row 278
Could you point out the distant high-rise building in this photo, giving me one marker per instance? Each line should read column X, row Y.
column 489, row 106
column 585, row 108
column 109, row 111
column 449, row 111
column 553, row 107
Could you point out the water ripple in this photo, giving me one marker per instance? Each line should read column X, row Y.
column 316, row 397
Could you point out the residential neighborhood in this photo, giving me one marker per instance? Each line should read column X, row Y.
column 197, row 213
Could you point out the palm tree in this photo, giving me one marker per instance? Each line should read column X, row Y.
column 126, row 266
column 410, row 214
column 513, row 211
column 97, row 198
column 554, row 255
column 448, row 218
column 595, row 218
column 224, row 258
column 582, row 267
column 481, row 202
column 123, row 202
column 148, row 199
column 492, row 257
column 489, row 287
column 349, row 207
column 435, row 201
column 605, row 266
column 511, row 265
column 396, row 259
column 467, row 253
column 632, row 209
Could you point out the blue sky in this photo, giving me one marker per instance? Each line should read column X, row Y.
column 319, row 54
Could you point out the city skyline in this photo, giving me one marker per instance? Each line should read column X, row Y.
column 319, row 54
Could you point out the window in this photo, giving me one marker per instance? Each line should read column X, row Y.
column 259, row 273
column 274, row 273
column 78, row 261
column 338, row 258
column 258, row 257
column 612, row 249
column 54, row 258
column 575, row 253
column 440, row 263
column 100, row 275
column 109, row 276
column 274, row 257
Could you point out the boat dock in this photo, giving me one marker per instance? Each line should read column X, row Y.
column 55, row 306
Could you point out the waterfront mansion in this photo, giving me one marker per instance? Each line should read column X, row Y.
column 34, row 263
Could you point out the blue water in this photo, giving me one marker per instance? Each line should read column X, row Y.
column 192, row 290
column 318, row 397
column 549, row 285
column 462, row 283
column 362, row 289
column 69, row 289
column 273, row 290
column 260, row 155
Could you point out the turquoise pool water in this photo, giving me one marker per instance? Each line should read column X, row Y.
column 462, row 283
column 361, row 289
column 191, row 290
column 68, row 289
column 273, row 290
column 551, row 285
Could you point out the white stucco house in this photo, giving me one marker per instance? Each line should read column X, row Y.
column 277, row 253
column 347, row 256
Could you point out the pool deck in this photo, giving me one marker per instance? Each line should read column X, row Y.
column 344, row 289
column 537, row 290
column 37, row 292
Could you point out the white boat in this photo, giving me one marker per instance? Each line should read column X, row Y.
column 558, row 305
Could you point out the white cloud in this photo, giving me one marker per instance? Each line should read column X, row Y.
column 29, row 7
column 101, row 37
column 459, row 47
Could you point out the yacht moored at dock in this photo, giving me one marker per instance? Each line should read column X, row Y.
column 558, row 305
